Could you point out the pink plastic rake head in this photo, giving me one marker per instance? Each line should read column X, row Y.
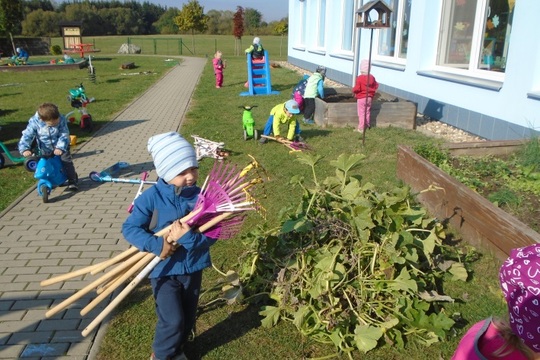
column 223, row 191
column 226, row 229
column 297, row 145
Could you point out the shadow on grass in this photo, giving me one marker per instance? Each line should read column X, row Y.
column 232, row 328
column 101, row 58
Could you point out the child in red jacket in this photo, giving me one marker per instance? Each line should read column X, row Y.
column 364, row 90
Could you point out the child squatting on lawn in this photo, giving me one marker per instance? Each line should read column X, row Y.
column 176, row 281
column 518, row 337
column 50, row 131
column 364, row 90
column 283, row 113
column 219, row 64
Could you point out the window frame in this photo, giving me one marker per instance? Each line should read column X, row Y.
column 395, row 59
column 320, row 40
column 351, row 30
column 477, row 43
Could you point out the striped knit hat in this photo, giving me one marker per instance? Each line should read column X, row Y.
column 520, row 283
column 172, row 154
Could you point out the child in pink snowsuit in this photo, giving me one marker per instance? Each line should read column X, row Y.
column 219, row 65
column 364, row 91
column 517, row 336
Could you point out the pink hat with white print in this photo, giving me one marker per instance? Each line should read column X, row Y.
column 520, row 283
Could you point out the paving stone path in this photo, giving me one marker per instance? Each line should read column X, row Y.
column 73, row 230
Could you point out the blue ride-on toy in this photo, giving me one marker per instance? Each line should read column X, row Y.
column 49, row 171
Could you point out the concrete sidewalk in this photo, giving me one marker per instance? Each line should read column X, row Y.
column 73, row 230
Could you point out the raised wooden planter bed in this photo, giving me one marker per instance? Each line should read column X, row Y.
column 398, row 113
column 480, row 223
column 484, row 148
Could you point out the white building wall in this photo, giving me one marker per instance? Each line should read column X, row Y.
column 497, row 110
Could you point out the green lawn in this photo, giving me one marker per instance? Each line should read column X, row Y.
column 235, row 331
column 232, row 331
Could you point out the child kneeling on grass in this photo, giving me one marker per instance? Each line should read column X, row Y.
column 283, row 113
column 176, row 281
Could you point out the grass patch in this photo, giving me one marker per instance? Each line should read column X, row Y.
column 174, row 45
column 235, row 331
column 23, row 92
column 230, row 331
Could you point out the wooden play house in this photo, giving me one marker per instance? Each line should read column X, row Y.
column 72, row 39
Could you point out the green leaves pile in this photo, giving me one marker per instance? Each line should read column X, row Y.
column 353, row 267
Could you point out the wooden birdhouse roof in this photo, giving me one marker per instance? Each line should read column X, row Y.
column 374, row 5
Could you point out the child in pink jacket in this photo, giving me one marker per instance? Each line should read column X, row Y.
column 219, row 65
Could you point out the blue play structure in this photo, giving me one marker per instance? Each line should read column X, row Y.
column 259, row 82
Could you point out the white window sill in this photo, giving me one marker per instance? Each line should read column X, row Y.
column 462, row 79
column 299, row 47
column 345, row 56
column 317, row 51
column 388, row 65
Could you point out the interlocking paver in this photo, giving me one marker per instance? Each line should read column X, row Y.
column 73, row 230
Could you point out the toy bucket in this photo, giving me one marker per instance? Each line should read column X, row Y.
column 72, row 140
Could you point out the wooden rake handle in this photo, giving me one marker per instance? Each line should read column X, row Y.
column 143, row 274
column 90, row 269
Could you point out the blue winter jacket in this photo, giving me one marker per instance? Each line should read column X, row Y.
column 22, row 54
column 161, row 205
column 48, row 137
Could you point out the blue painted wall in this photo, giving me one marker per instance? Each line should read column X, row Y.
column 496, row 110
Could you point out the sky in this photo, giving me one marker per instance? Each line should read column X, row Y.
column 271, row 10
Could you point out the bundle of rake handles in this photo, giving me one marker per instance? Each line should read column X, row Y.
column 135, row 260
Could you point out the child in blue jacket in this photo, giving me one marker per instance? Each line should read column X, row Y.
column 176, row 281
column 49, row 129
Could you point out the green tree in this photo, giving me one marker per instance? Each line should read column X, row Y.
column 281, row 28
column 11, row 15
column 33, row 5
column 252, row 20
column 88, row 14
column 192, row 18
column 166, row 24
column 41, row 23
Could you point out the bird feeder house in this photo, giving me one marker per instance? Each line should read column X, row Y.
column 373, row 15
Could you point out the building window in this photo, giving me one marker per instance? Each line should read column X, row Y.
column 348, row 15
column 475, row 35
column 321, row 21
column 303, row 24
column 393, row 42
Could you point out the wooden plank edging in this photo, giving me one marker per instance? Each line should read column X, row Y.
column 479, row 221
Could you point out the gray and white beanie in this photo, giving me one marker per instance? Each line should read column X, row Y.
column 172, row 154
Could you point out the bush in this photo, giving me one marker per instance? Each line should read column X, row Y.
column 56, row 50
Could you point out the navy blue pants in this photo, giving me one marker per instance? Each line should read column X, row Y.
column 176, row 300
